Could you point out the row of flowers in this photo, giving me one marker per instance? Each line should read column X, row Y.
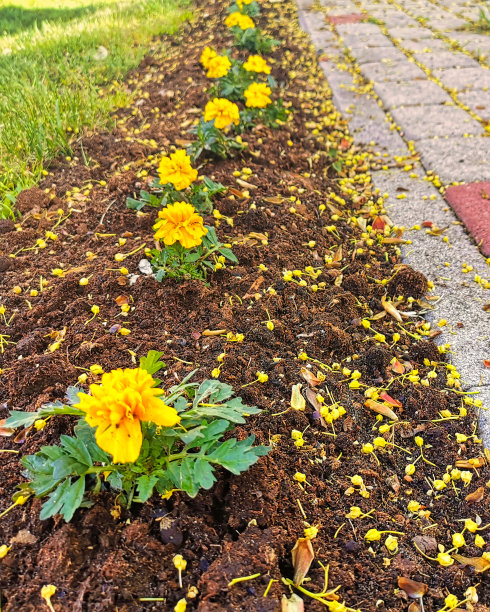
column 185, row 247
column 131, row 436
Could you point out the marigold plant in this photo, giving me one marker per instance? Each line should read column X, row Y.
column 191, row 249
column 244, row 22
column 133, row 438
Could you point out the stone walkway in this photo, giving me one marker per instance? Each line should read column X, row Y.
column 415, row 87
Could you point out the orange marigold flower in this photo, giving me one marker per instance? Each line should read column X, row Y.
column 179, row 222
column 223, row 112
column 257, row 95
column 218, row 67
column 117, row 407
column 177, row 170
column 257, row 63
column 207, row 55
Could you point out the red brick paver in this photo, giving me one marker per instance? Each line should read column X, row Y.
column 471, row 203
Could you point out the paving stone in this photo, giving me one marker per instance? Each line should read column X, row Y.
column 435, row 120
column 426, row 45
column 358, row 28
column 411, row 93
column 445, row 59
column 457, row 159
column 354, row 41
column 387, row 55
column 464, row 78
column 478, row 101
column 396, row 71
column 415, row 33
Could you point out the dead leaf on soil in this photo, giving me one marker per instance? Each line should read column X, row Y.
column 254, row 287
column 476, row 496
column 246, row 184
column 122, row 300
column 213, row 332
column 412, row 588
column 486, row 363
column 293, row 604
column 5, row 432
column 310, row 378
column 471, row 463
column 381, row 409
column 387, row 398
column 479, row 563
column 397, row 367
column 274, row 200
column 302, row 555
column 298, row 402
column 391, row 310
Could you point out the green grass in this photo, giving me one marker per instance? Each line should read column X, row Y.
column 50, row 76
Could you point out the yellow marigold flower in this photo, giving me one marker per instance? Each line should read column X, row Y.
column 257, row 63
column 244, row 22
column 179, row 222
column 116, row 408
column 242, row 2
column 218, row 67
column 177, row 170
column 207, row 55
column 223, row 112
column 257, row 95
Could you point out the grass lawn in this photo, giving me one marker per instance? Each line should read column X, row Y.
column 51, row 68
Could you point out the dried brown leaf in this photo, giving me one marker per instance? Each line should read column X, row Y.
column 391, row 310
column 246, row 184
column 412, row 588
column 5, row 432
column 479, row 563
column 381, row 409
column 213, row 332
column 387, row 398
column 310, row 378
column 471, row 463
column 302, row 555
column 298, row 402
column 476, row 496
column 293, row 604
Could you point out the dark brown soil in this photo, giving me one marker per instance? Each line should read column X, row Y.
column 108, row 557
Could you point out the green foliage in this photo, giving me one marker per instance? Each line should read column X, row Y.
column 252, row 9
column 273, row 115
column 176, row 262
column 200, row 195
column 212, row 140
column 184, row 457
column 233, row 84
column 253, row 40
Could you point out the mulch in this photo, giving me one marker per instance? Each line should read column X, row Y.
column 109, row 557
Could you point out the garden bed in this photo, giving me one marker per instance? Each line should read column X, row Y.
column 286, row 208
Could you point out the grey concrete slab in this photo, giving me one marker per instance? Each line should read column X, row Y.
column 411, row 93
column 445, row 59
column 415, row 33
column 482, row 393
column 353, row 41
column 456, row 158
column 478, row 101
column 435, row 120
column 426, row 45
column 464, row 78
column 358, row 28
column 396, row 71
column 385, row 55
